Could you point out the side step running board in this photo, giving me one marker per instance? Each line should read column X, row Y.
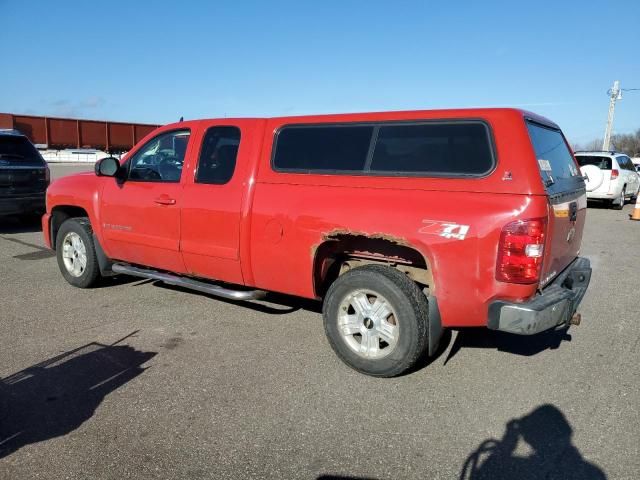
column 185, row 282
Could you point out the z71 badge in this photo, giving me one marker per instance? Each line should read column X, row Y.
column 444, row 229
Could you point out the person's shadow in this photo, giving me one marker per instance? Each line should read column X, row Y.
column 54, row 397
column 551, row 455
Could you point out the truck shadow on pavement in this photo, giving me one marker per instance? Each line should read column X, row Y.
column 545, row 435
column 341, row 477
column 56, row 396
column 525, row 345
column 20, row 225
column 273, row 303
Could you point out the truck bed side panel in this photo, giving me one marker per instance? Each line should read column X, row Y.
column 456, row 232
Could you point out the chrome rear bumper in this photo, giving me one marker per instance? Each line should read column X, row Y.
column 554, row 307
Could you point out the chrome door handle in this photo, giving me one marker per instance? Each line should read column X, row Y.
column 164, row 200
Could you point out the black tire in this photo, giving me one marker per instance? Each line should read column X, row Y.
column 408, row 302
column 622, row 202
column 91, row 273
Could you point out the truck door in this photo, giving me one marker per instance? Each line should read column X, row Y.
column 140, row 213
column 212, row 201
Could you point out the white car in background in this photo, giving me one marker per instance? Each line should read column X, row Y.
column 609, row 176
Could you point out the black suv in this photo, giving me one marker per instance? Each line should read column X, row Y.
column 24, row 176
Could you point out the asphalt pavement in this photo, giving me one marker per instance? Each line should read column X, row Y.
column 139, row 380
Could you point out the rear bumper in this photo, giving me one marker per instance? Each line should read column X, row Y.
column 611, row 193
column 603, row 195
column 554, row 307
column 32, row 203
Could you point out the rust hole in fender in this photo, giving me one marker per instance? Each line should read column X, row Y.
column 340, row 250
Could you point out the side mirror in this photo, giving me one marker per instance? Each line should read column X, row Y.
column 107, row 167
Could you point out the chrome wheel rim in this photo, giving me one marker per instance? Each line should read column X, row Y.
column 74, row 254
column 368, row 324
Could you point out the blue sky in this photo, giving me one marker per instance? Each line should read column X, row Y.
column 156, row 61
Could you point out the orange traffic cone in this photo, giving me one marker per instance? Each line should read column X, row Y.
column 635, row 215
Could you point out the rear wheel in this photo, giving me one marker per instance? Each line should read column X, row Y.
column 619, row 203
column 375, row 319
column 76, row 253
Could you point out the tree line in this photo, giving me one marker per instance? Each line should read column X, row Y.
column 628, row 143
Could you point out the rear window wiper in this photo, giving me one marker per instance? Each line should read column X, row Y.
column 10, row 155
column 549, row 181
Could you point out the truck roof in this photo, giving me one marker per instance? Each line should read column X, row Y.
column 611, row 153
column 11, row 132
column 394, row 114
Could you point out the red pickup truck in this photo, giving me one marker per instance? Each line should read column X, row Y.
column 402, row 223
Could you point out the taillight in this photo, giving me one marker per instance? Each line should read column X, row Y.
column 614, row 174
column 520, row 251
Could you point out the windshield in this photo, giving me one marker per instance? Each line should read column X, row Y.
column 603, row 163
column 17, row 148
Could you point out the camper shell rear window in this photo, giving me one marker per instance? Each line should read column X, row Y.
column 557, row 167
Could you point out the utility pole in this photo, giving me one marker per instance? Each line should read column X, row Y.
column 615, row 94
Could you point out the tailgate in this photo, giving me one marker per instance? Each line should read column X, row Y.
column 22, row 180
column 567, row 213
column 597, row 169
column 567, row 198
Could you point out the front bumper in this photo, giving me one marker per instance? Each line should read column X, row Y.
column 554, row 307
column 46, row 231
column 23, row 204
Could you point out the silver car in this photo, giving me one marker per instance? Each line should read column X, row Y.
column 609, row 176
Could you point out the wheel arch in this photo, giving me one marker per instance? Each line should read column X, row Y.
column 61, row 213
column 342, row 251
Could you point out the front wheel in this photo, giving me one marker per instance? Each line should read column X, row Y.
column 375, row 319
column 76, row 253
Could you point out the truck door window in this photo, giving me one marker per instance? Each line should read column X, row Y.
column 621, row 164
column 160, row 159
column 625, row 163
column 218, row 155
